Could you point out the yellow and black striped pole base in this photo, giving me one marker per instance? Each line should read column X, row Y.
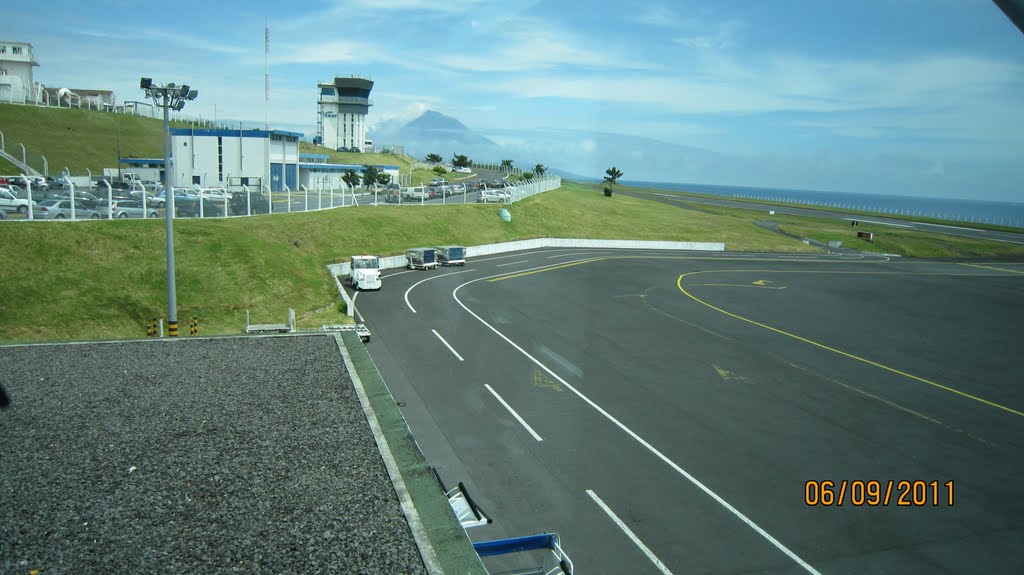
column 151, row 328
column 193, row 326
column 172, row 329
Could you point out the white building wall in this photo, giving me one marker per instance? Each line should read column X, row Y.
column 16, row 63
column 242, row 154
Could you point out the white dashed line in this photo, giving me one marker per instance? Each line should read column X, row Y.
column 448, row 345
column 629, row 533
column 513, row 412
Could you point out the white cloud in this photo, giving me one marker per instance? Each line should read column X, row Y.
column 723, row 35
column 533, row 45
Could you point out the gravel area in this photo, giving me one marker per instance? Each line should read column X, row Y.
column 232, row 455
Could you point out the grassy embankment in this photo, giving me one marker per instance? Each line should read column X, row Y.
column 95, row 280
column 105, row 279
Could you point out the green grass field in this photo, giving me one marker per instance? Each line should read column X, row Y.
column 106, row 279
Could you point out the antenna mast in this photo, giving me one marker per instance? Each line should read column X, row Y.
column 266, row 74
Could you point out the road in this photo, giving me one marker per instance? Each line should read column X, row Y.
column 967, row 232
column 664, row 412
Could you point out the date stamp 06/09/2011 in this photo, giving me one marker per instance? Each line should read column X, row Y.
column 897, row 493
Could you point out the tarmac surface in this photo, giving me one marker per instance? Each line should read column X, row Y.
column 207, row 455
column 670, row 412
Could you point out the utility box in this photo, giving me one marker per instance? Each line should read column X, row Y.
column 421, row 258
column 869, row 236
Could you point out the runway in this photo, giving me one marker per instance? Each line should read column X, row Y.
column 670, row 412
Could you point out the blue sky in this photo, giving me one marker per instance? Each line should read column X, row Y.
column 915, row 97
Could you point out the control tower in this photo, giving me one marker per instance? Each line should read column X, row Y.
column 341, row 112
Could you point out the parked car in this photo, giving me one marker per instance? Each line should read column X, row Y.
column 189, row 207
column 121, row 209
column 464, row 170
column 38, row 182
column 87, row 199
column 61, row 209
column 493, row 196
column 55, row 183
column 151, row 198
column 11, row 203
column 216, row 194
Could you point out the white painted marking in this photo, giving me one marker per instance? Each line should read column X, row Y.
column 355, row 310
column 578, row 254
column 426, row 280
column 672, row 464
column 513, row 412
column 448, row 345
column 877, row 222
column 512, row 263
column 398, row 273
column 629, row 533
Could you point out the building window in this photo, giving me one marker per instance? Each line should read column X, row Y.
column 3, row 49
column 15, row 49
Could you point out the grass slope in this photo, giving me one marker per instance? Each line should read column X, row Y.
column 78, row 139
column 105, row 279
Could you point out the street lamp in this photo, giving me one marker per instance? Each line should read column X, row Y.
column 169, row 97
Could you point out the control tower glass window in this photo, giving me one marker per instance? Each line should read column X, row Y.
column 327, row 91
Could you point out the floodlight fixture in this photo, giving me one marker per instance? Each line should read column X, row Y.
column 192, row 94
column 183, row 91
column 146, row 83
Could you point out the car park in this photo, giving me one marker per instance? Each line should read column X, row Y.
column 61, row 210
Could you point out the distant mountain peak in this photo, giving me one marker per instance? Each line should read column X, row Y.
column 436, row 121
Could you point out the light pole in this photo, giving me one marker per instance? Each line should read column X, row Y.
column 169, row 97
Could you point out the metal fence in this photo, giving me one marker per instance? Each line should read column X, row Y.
column 96, row 198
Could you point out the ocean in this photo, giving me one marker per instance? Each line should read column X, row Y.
column 957, row 210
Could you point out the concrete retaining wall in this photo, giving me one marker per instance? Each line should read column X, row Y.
column 343, row 268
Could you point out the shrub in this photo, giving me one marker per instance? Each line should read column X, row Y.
column 608, row 192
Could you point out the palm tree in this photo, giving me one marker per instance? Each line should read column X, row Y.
column 351, row 178
column 461, row 161
column 506, row 165
column 540, row 169
column 613, row 174
column 434, row 158
column 369, row 174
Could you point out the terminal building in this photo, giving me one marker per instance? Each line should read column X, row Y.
column 213, row 157
column 341, row 113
